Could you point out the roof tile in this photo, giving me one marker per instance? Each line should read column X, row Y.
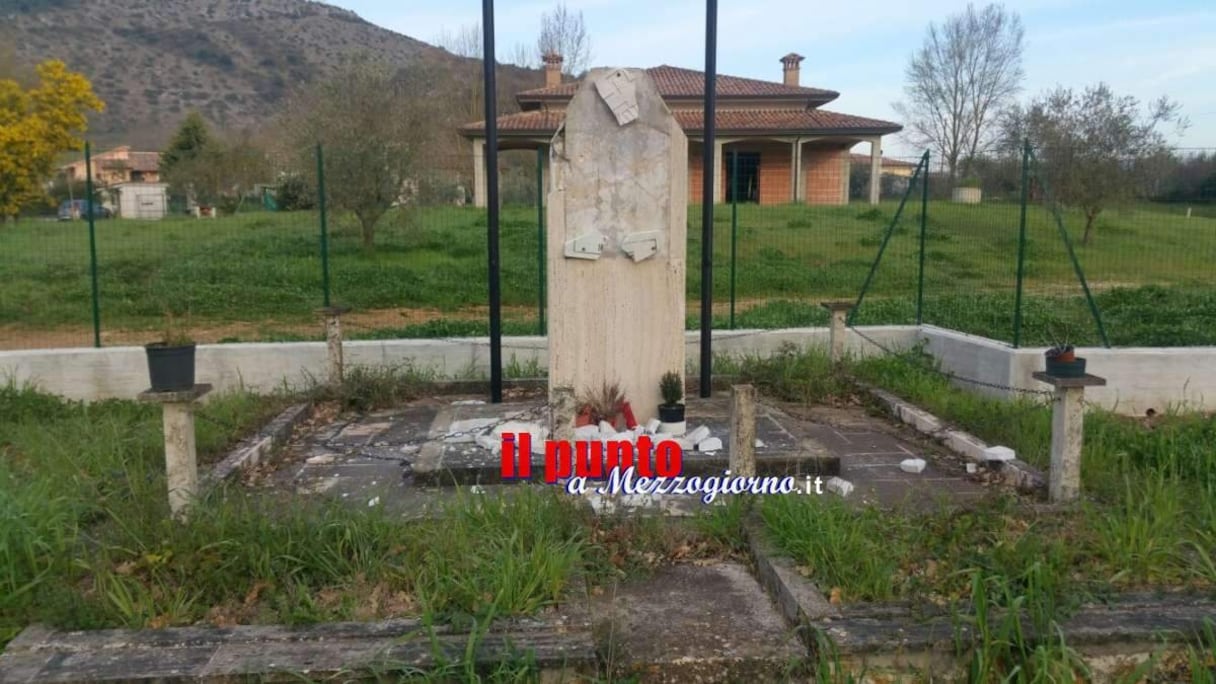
column 677, row 82
column 791, row 120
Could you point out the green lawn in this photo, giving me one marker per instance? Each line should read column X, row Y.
column 265, row 268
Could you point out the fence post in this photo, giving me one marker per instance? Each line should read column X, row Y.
column 1017, row 302
column 88, row 204
column 181, row 458
column 840, row 312
column 324, row 225
column 1067, row 433
column 333, row 344
column 540, row 240
column 734, row 228
column 924, row 220
column 743, row 431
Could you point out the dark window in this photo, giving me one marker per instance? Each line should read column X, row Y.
column 748, row 182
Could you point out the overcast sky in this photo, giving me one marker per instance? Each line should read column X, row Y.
column 860, row 48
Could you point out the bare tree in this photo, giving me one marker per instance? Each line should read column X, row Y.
column 564, row 32
column 463, row 42
column 373, row 122
column 1097, row 149
column 522, row 57
column 959, row 80
column 467, row 42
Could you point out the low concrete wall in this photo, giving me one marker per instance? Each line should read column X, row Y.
column 122, row 372
column 970, row 356
column 1138, row 378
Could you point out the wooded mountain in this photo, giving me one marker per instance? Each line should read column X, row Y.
column 234, row 61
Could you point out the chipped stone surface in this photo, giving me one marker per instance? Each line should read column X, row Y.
column 709, row 623
column 610, row 182
column 405, row 455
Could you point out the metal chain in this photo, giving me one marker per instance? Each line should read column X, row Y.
column 220, row 423
column 948, row 375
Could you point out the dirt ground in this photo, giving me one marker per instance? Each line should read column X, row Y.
column 15, row 336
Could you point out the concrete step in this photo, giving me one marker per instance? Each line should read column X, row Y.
column 278, row 653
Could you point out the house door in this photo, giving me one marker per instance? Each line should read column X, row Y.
column 748, row 182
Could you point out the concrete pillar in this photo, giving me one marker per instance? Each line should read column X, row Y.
column 333, row 344
column 840, row 312
column 743, row 431
column 875, row 170
column 719, row 177
column 1067, row 434
column 181, row 458
column 845, row 164
column 479, row 173
column 796, row 171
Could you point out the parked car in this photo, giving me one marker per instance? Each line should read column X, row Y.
column 74, row 209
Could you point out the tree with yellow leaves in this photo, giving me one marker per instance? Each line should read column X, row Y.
column 36, row 125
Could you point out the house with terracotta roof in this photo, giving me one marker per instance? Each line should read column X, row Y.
column 785, row 147
column 119, row 165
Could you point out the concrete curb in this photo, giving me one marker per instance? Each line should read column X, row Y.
column 338, row 651
column 251, row 450
column 900, row 639
column 1017, row 474
column 800, row 601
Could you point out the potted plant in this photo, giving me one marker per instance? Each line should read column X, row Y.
column 671, row 411
column 1062, row 360
column 171, row 360
column 604, row 405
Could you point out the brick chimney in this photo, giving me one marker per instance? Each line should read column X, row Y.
column 553, row 69
column 789, row 65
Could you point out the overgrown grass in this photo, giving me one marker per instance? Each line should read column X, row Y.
column 265, row 269
column 1146, row 523
column 86, row 540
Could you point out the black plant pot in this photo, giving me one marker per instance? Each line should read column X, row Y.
column 170, row 369
column 1066, row 369
column 673, row 413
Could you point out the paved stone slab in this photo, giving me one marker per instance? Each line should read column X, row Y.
column 558, row 645
column 392, row 457
column 695, row 623
column 870, row 450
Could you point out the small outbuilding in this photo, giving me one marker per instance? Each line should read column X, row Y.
column 142, row 200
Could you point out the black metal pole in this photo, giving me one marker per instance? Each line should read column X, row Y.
column 88, row 206
column 324, row 225
column 1025, row 200
column 707, row 195
column 488, row 63
column 734, row 228
column 540, row 240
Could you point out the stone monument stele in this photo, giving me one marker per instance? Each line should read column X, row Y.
column 616, row 235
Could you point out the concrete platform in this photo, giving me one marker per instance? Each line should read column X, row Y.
column 689, row 623
column 414, row 457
